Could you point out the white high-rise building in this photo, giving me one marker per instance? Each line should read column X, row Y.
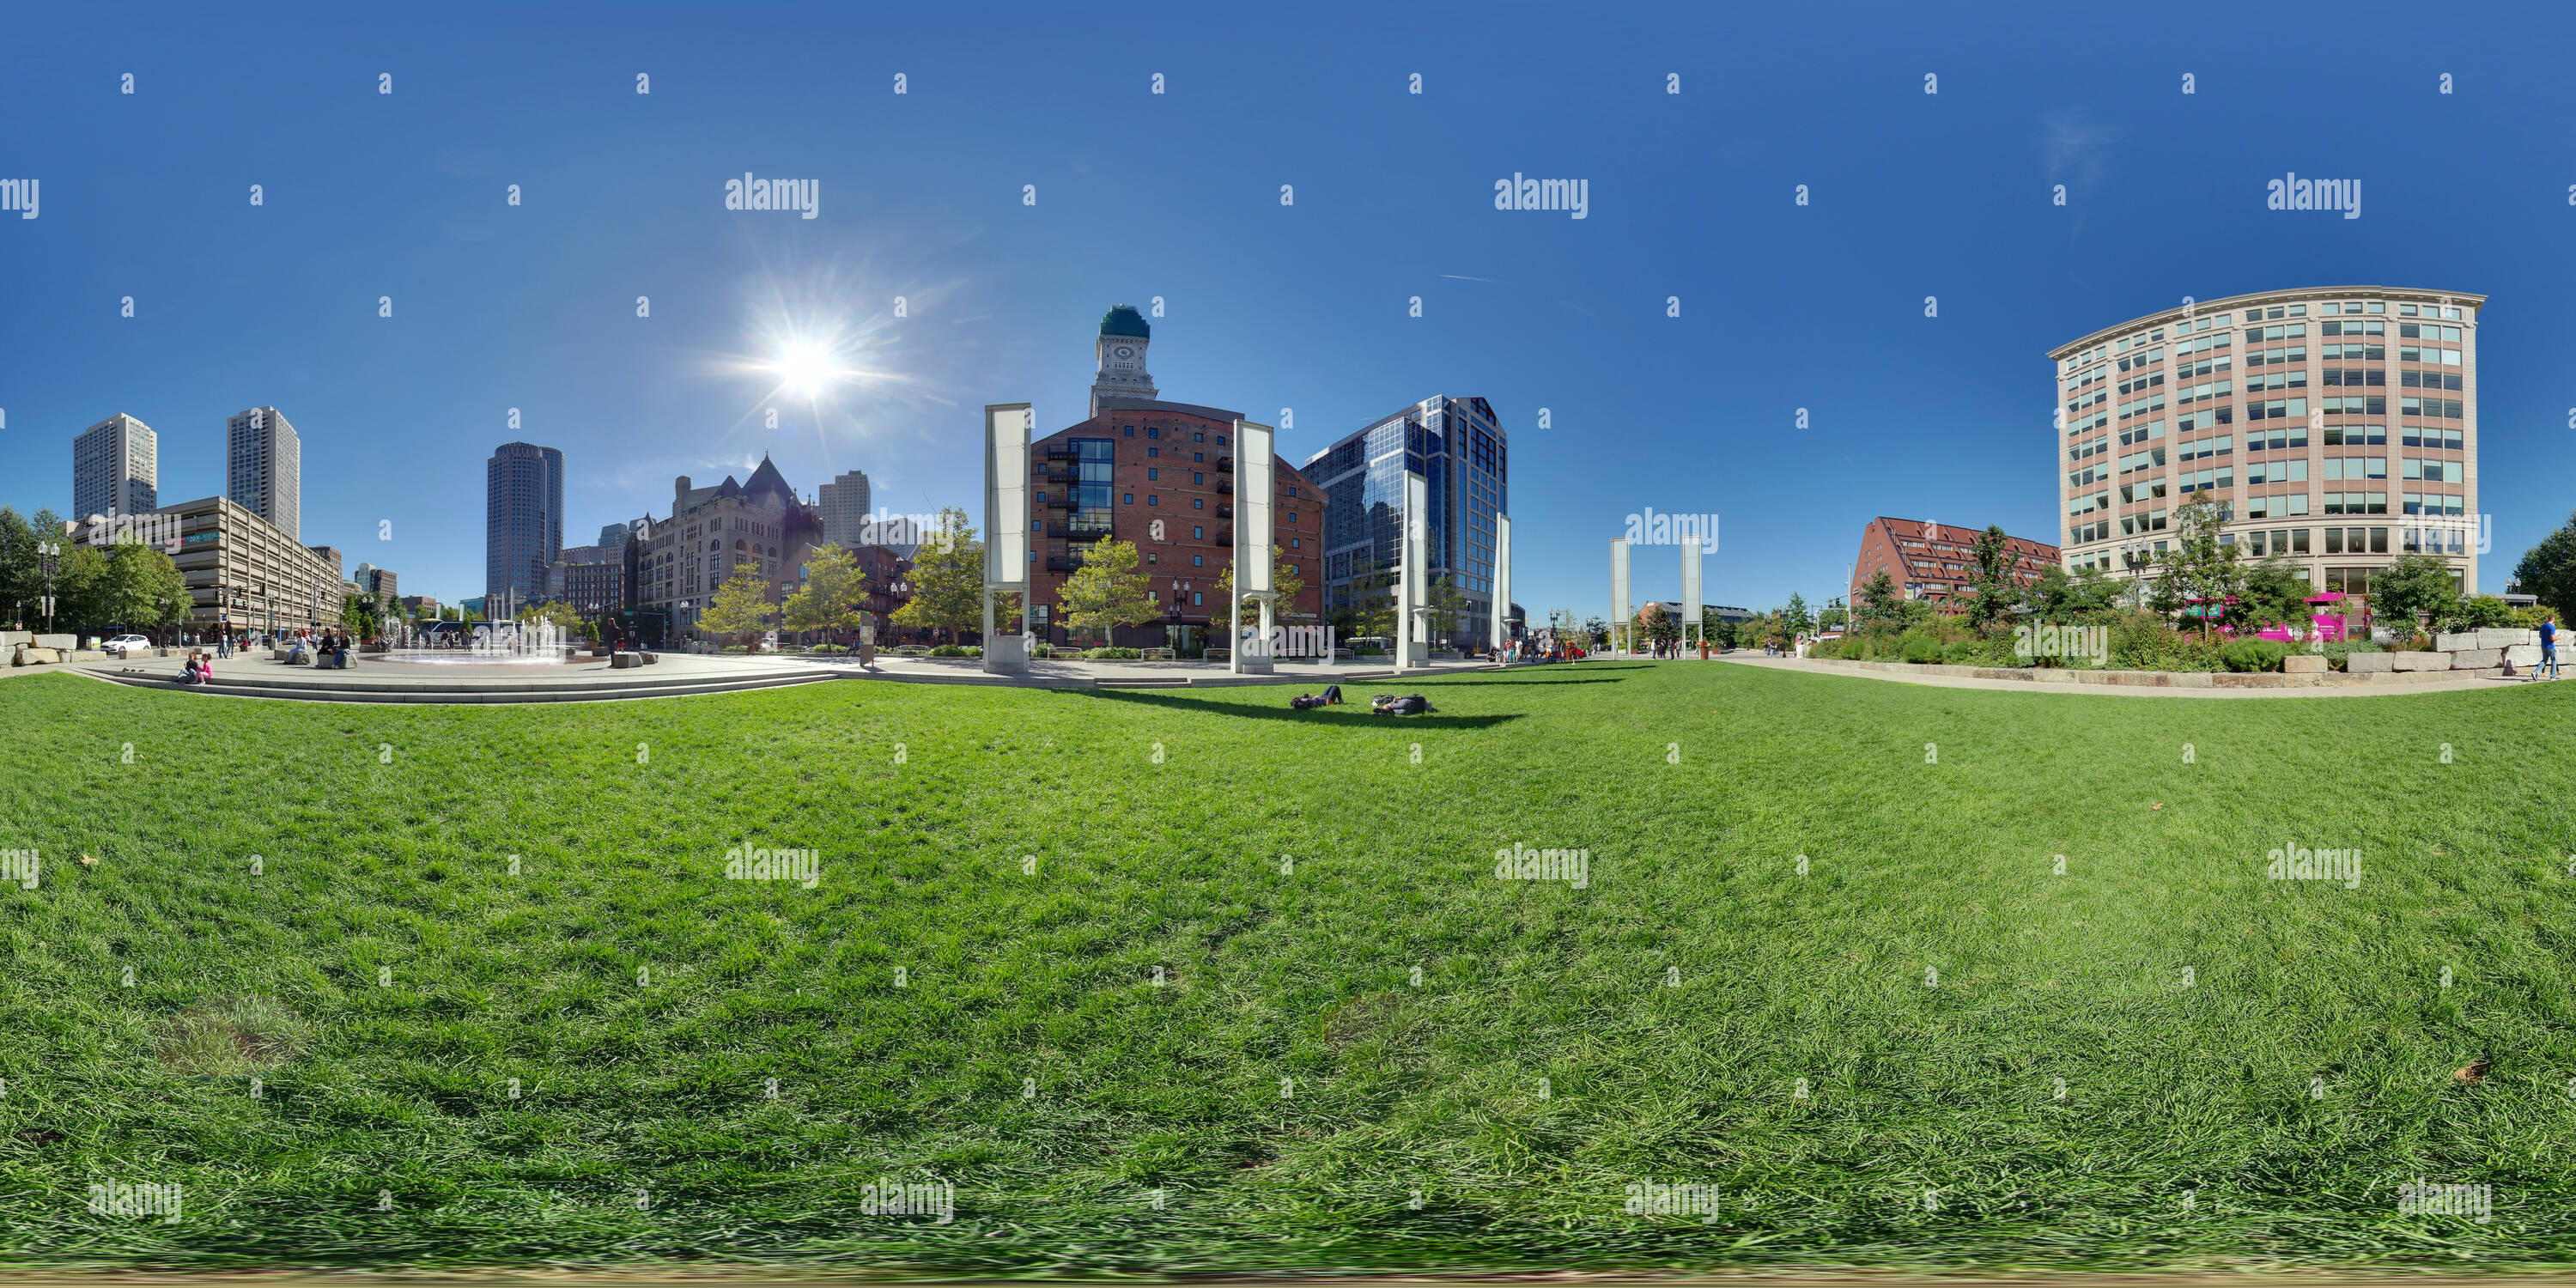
column 264, row 468
column 116, row 468
column 842, row 504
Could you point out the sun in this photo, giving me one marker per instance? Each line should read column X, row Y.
column 805, row 368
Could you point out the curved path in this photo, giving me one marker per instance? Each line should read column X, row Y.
column 2449, row 682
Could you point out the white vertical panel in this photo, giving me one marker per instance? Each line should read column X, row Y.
column 1253, row 488
column 1502, row 579
column 1690, row 581
column 1619, row 584
column 1417, row 558
column 1007, row 430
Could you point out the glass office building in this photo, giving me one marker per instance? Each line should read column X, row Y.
column 1463, row 457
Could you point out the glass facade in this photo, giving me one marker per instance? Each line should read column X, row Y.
column 1454, row 445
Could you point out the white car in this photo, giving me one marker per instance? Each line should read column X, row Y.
column 125, row 645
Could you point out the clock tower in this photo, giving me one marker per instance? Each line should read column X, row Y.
column 1123, row 337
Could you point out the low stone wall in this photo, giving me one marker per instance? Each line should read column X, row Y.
column 2054, row 676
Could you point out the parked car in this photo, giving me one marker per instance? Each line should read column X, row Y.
column 125, row 645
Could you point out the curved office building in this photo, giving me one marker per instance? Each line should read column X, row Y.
column 2337, row 426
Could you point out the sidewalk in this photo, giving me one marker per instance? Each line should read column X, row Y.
column 2451, row 682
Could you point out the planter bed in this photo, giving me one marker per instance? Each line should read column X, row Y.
column 2161, row 679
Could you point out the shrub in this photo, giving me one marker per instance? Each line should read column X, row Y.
column 2479, row 611
column 958, row 650
column 2338, row 653
column 1113, row 652
column 2254, row 655
column 1920, row 647
column 829, row 648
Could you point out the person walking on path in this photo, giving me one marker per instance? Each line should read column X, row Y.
column 2548, row 648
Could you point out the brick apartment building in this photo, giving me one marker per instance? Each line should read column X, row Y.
column 1159, row 475
column 1936, row 561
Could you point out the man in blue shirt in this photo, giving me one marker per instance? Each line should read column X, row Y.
column 2548, row 649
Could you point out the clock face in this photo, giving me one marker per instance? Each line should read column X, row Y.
column 1123, row 351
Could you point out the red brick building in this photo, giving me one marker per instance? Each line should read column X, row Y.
column 1159, row 476
column 1936, row 561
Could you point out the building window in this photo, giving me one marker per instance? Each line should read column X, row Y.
column 1198, row 503
column 1153, row 431
column 1196, row 598
column 1153, row 451
column 1152, row 474
column 1131, row 433
column 1198, row 438
column 1130, row 497
column 1153, row 500
column 1198, row 533
column 1198, row 561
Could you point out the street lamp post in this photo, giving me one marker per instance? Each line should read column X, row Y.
column 49, row 552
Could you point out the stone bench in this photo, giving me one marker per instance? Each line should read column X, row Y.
column 624, row 661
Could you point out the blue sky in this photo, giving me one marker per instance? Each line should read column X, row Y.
column 1177, row 195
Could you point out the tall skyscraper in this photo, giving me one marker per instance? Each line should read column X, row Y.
column 1124, row 337
column 1464, row 457
column 522, row 523
column 2336, row 427
column 842, row 504
column 264, row 468
column 116, row 468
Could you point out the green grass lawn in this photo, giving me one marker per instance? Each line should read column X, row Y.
column 2250, row 1067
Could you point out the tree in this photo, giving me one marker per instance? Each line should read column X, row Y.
column 2272, row 595
column 134, row 586
column 1795, row 616
column 1656, row 624
column 2548, row 570
column 2411, row 587
column 947, row 579
column 1833, row 614
column 2062, row 599
column 834, row 597
column 1446, row 602
column 1282, row 581
column 1997, row 592
column 2199, row 570
column 1109, row 589
column 1370, row 609
column 738, row 607
column 1880, row 605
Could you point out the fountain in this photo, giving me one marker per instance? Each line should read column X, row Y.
column 538, row 643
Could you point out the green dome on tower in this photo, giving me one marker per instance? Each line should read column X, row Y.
column 1124, row 320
